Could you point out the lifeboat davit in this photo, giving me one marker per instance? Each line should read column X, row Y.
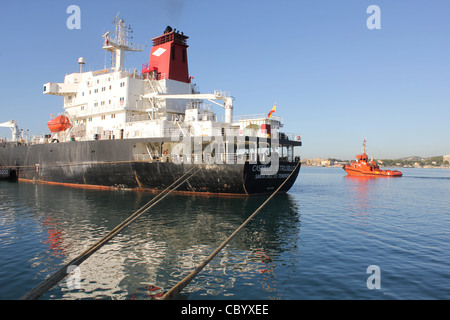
column 364, row 167
column 58, row 124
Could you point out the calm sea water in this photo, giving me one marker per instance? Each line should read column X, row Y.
column 316, row 242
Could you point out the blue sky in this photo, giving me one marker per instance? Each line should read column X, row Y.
column 335, row 81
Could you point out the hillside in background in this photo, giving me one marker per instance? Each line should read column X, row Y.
column 407, row 162
column 414, row 161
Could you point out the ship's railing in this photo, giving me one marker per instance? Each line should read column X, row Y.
column 149, row 73
column 199, row 105
column 208, row 158
column 171, row 132
column 256, row 116
column 218, row 158
column 137, row 117
column 290, row 136
column 134, row 73
column 178, row 133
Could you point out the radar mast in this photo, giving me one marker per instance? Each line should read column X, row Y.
column 119, row 41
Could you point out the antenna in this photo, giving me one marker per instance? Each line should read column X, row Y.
column 118, row 42
column 81, row 62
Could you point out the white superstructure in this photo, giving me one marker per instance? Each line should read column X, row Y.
column 154, row 102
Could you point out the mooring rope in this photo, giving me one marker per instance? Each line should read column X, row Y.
column 47, row 284
column 183, row 283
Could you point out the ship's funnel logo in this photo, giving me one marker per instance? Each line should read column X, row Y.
column 159, row 52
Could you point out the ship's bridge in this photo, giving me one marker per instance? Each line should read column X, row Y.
column 259, row 125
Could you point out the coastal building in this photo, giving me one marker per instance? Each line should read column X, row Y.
column 446, row 158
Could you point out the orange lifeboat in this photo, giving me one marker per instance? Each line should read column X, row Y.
column 58, row 124
column 364, row 167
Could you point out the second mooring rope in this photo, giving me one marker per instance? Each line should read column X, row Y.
column 171, row 294
column 47, row 284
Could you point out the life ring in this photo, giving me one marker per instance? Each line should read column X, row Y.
column 299, row 138
column 166, row 152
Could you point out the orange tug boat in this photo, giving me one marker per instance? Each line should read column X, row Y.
column 364, row 167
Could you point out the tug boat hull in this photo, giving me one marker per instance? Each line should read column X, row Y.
column 378, row 173
column 368, row 168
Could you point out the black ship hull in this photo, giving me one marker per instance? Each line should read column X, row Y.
column 112, row 164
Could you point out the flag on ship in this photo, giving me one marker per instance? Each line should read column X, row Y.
column 272, row 111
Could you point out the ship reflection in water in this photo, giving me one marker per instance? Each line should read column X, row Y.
column 358, row 189
column 162, row 247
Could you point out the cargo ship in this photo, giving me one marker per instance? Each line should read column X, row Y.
column 143, row 129
column 365, row 167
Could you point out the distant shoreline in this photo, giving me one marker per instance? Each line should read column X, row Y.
column 407, row 162
column 406, row 167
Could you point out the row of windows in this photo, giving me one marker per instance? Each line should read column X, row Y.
column 122, row 84
column 113, row 116
column 96, row 90
column 102, row 103
column 98, row 81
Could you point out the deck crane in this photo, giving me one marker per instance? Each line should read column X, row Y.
column 217, row 95
column 14, row 128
